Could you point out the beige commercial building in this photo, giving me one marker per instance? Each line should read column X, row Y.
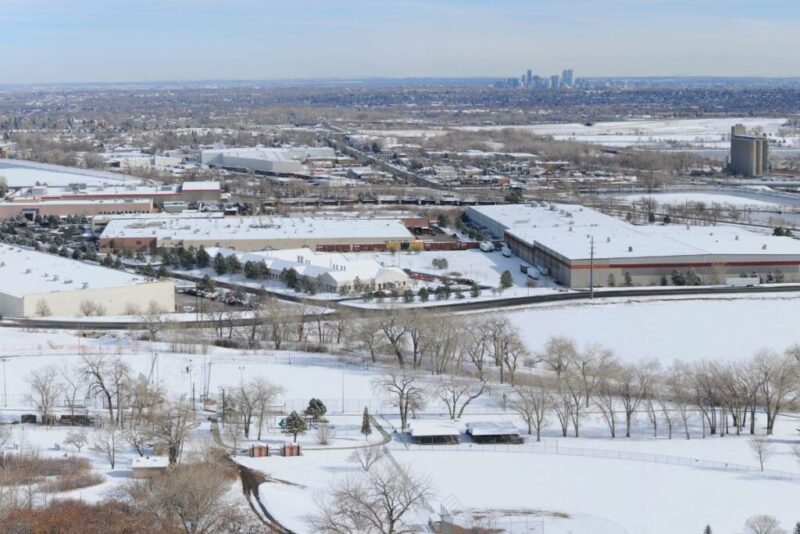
column 253, row 233
column 35, row 284
column 749, row 153
column 573, row 244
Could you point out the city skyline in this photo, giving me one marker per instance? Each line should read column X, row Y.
column 116, row 41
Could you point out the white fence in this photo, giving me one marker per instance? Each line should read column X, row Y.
column 556, row 449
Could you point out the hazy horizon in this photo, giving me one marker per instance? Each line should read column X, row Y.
column 114, row 41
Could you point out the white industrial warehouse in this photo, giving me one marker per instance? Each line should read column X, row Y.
column 559, row 238
column 287, row 160
column 38, row 284
column 253, row 233
column 332, row 271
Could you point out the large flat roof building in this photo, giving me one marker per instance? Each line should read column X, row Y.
column 253, row 233
column 558, row 238
column 37, row 284
column 281, row 161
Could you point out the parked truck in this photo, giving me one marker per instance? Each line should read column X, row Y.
column 487, row 246
column 750, row 281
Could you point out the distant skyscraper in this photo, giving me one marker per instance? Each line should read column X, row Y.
column 555, row 82
column 529, row 78
column 566, row 78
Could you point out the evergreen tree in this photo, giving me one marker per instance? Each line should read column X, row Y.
column 707, row 530
column 149, row 271
column 108, row 261
column 667, row 219
column 628, row 279
column 506, row 280
column 117, row 264
column 612, row 281
column 294, row 425
column 366, row 426
column 408, row 295
column 475, row 291
column 651, row 217
column 316, row 409
column 162, row 271
column 797, row 528
column 202, row 258
column 233, row 264
column 207, row 284
column 423, row 294
column 220, row 265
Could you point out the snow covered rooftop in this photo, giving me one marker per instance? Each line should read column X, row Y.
column 492, row 428
column 249, row 228
column 150, row 462
column 307, row 262
column 200, row 186
column 426, row 428
column 27, row 272
column 568, row 230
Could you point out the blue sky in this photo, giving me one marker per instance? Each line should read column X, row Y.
column 143, row 40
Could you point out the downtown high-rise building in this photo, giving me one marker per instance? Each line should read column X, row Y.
column 567, row 78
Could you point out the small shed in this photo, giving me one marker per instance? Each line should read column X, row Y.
column 290, row 449
column 149, row 466
column 433, row 432
column 259, row 450
column 494, row 432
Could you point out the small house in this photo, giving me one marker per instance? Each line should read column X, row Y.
column 149, row 466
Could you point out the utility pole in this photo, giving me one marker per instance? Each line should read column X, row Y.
column 591, row 268
column 5, row 389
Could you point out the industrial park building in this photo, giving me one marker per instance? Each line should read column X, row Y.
column 280, row 161
column 89, row 201
column 253, row 233
column 38, row 284
column 571, row 242
column 749, row 153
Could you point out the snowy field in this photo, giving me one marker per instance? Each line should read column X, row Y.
column 26, row 174
column 685, row 328
column 707, row 198
column 695, row 133
column 513, row 487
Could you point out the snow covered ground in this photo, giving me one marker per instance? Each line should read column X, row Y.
column 26, row 174
column 695, row 133
column 706, row 198
column 730, row 328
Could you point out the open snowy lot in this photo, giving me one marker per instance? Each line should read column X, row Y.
column 669, row 328
column 706, row 198
column 26, row 174
column 695, row 133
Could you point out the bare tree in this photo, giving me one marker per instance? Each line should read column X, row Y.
column 779, row 382
column 108, row 440
column 679, row 388
column 407, row 393
column 633, row 386
column 377, row 501
column 531, row 402
column 172, row 429
column 442, row 343
column 558, row 353
column 761, row 448
column 137, row 437
column 367, row 335
column 153, row 320
column 196, row 496
column 72, row 386
column 763, row 524
column 107, row 377
column 77, row 438
column 46, row 389
column 458, row 392
column 393, row 326
column 366, row 457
